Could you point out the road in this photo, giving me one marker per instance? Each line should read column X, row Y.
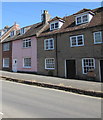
column 24, row 101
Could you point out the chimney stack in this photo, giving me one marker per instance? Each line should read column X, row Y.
column 45, row 17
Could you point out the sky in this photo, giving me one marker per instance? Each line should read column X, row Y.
column 28, row 13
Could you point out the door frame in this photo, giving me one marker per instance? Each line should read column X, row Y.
column 12, row 66
column 65, row 64
column 100, row 70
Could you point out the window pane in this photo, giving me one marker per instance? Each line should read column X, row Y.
column 80, row 40
column 56, row 25
column 79, row 20
column 98, row 37
column 52, row 26
column 6, row 62
column 27, row 62
column 49, row 44
column 27, row 43
column 6, row 47
column 85, row 18
column 50, row 63
column 88, row 64
column 73, row 41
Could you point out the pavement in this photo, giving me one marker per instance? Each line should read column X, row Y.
column 89, row 86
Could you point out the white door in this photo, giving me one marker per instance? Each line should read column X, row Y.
column 14, row 65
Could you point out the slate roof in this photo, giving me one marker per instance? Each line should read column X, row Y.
column 56, row 18
column 83, row 10
column 70, row 25
column 31, row 32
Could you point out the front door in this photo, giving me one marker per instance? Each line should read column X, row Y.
column 101, row 69
column 70, row 69
column 14, row 65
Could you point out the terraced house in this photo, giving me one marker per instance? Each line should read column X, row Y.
column 72, row 47
column 4, row 34
column 22, row 52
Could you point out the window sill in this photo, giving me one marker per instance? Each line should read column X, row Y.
column 26, row 47
column 27, row 67
column 49, row 68
column 98, row 43
column 77, row 46
column 6, row 67
column 49, row 49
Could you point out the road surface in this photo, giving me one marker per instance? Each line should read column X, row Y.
column 25, row 101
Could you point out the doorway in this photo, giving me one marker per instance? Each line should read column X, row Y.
column 14, row 65
column 101, row 69
column 70, row 69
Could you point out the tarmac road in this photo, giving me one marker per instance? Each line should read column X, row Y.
column 24, row 101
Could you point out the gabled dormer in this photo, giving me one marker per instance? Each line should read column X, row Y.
column 56, row 23
column 22, row 31
column 83, row 16
column 12, row 33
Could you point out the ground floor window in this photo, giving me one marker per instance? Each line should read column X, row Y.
column 27, row 62
column 6, row 62
column 49, row 63
column 88, row 64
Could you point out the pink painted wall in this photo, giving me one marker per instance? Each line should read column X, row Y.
column 18, row 52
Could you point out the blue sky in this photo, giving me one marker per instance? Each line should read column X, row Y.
column 27, row 13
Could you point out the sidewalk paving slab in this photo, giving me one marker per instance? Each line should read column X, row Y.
column 79, row 84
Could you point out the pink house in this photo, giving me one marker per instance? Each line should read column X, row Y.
column 24, row 46
column 24, row 49
column 24, row 55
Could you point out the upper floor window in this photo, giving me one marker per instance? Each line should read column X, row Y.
column 83, row 18
column 27, row 62
column 49, row 63
column 26, row 43
column 88, row 64
column 12, row 33
column 49, row 44
column 54, row 25
column 77, row 40
column 22, row 30
column 98, row 37
column 6, row 47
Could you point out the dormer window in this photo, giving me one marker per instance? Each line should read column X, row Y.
column 54, row 25
column 12, row 33
column 83, row 18
column 22, row 31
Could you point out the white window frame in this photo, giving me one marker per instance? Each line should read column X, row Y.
column 87, row 65
column 6, row 46
column 48, row 44
column 94, row 34
column 50, row 63
column 6, row 66
column 53, row 23
column 24, row 63
column 82, row 18
column 22, row 31
column 12, row 33
column 27, row 40
column 76, row 41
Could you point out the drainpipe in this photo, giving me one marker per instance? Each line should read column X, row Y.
column 56, row 50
